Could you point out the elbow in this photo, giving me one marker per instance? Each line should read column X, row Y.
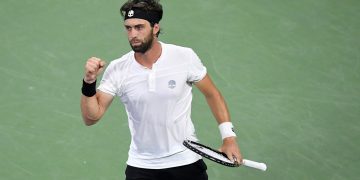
column 89, row 122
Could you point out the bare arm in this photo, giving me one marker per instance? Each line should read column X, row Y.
column 220, row 111
column 214, row 99
column 94, row 107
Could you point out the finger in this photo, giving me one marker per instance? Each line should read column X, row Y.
column 90, row 67
column 230, row 156
column 95, row 64
column 98, row 63
column 236, row 161
column 94, row 60
column 234, row 157
column 101, row 66
column 239, row 159
column 102, row 63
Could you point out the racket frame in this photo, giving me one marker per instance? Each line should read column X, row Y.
column 187, row 143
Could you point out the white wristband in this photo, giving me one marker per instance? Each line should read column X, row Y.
column 226, row 130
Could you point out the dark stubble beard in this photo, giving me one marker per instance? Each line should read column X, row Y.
column 145, row 45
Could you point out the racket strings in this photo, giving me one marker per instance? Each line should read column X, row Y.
column 209, row 153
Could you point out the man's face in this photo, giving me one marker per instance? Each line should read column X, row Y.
column 140, row 34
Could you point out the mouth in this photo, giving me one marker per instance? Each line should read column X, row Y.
column 135, row 42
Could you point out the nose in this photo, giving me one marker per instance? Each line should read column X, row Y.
column 132, row 33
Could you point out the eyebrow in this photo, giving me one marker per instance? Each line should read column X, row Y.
column 136, row 25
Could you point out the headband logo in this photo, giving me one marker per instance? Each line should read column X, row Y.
column 151, row 16
column 131, row 13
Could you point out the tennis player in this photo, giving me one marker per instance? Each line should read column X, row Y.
column 154, row 82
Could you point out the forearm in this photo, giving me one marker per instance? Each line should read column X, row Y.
column 93, row 103
column 91, row 110
column 218, row 107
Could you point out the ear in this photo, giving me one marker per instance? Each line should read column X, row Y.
column 156, row 28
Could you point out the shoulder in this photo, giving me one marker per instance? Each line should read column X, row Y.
column 122, row 62
column 179, row 51
column 173, row 47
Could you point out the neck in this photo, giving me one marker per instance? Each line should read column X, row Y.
column 150, row 57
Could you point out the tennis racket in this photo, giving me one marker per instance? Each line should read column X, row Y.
column 220, row 157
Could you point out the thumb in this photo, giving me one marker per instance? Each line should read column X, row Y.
column 102, row 63
column 225, row 153
column 101, row 66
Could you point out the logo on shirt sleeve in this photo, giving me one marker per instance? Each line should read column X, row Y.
column 172, row 84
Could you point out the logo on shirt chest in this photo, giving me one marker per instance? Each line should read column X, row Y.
column 172, row 84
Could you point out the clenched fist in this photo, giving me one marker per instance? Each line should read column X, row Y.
column 93, row 67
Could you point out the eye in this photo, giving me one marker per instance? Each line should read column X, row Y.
column 139, row 27
column 128, row 28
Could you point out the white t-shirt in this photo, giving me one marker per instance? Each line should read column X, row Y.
column 158, row 105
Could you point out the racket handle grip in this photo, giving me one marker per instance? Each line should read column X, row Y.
column 253, row 164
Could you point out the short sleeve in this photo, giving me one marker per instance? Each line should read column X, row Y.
column 108, row 83
column 197, row 70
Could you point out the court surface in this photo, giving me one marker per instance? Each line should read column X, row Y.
column 289, row 70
